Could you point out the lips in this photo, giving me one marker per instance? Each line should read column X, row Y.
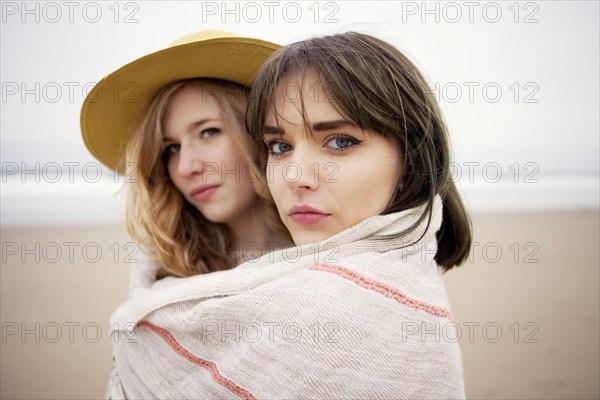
column 203, row 192
column 307, row 215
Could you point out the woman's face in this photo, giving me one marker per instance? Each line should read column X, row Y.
column 202, row 158
column 329, row 179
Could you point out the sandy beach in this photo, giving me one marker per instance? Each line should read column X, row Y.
column 526, row 307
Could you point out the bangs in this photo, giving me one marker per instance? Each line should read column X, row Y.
column 299, row 60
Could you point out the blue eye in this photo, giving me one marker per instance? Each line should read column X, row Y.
column 277, row 148
column 342, row 142
column 210, row 132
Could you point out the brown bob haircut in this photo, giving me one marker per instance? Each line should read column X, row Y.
column 373, row 84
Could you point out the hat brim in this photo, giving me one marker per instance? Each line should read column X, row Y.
column 117, row 103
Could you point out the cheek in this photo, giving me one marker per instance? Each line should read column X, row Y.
column 277, row 186
column 388, row 181
column 171, row 168
column 271, row 183
column 228, row 154
column 230, row 159
column 172, row 173
column 395, row 173
column 366, row 187
column 275, row 182
column 385, row 176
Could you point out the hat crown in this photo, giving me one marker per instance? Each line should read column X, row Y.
column 201, row 36
column 106, row 124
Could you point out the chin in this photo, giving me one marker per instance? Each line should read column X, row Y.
column 215, row 218
column 302, row 238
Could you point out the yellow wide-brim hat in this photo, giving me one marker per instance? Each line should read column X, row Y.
column 115, row 106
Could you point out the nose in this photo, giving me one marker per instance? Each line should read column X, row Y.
column 302, row 172
column 190, row 161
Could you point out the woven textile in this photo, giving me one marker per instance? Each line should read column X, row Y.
column 363, row 314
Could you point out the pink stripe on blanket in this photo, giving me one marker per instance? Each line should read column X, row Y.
column 209, row 365
column 382, row 288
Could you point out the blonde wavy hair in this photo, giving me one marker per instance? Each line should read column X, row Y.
column 158, row 216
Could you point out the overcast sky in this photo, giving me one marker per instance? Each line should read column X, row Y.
column 518, row 82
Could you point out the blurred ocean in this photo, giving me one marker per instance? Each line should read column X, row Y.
column 35, row 199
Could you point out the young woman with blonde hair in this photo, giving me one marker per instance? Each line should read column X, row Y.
column 178, row 135
column 173, row 122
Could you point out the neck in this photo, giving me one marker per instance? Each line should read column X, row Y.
column 253, row 237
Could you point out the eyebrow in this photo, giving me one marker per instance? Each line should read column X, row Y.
column 191, row 126
column 317, row 127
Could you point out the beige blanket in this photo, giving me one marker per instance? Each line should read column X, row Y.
column 363, row 314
